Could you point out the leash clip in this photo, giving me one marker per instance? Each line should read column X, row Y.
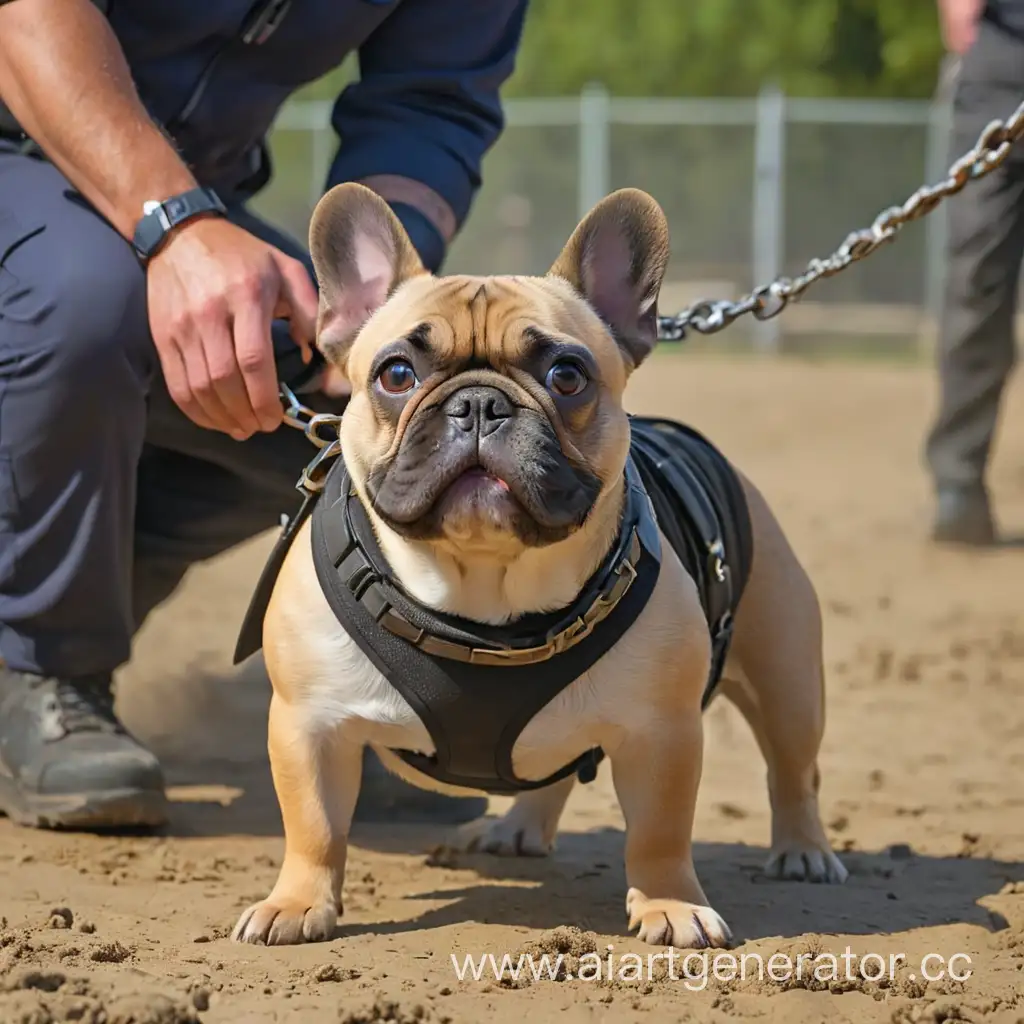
column 313, row 424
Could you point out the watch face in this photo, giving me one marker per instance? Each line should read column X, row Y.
column 175, row 208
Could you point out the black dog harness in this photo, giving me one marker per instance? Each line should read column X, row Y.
column 476, row 687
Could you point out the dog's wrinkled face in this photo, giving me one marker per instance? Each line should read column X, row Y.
column 486, row 411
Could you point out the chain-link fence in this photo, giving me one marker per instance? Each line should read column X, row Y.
column 752, row 188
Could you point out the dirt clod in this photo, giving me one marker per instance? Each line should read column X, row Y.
column 110, row 953
column 61, row 917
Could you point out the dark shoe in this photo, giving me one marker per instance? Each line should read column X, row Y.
column 385, row 797
column 963, row 516
column 67, row 762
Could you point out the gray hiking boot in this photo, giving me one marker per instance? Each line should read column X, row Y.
column 963, row 516
column 67, row 762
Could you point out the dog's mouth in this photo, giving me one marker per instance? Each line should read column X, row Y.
column 486, row 469
column 475, row 487
column 477, row 478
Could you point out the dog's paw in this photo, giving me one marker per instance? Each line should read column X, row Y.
column 510, row 836
column 805, row 863
column 278, row 922
column 675, row 923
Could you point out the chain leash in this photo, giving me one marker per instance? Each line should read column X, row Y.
column 713, row 315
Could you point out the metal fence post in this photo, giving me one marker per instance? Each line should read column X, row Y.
column 319, row 162
column 937, row 158
column 594, row 147
column 769, row 198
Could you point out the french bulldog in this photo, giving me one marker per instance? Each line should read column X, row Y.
column 486, row 445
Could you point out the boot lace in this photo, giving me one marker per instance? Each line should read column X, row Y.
column 86, row 704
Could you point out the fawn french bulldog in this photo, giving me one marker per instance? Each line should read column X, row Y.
column 506, row 578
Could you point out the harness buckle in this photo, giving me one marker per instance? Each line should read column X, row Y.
column 315, row 474
column 716, row 551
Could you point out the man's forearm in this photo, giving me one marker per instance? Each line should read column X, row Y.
column 65, row 78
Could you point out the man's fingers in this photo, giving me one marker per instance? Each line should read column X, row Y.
column 254, row 351
column 298, row 303
column 172, row 364
column 227, row 377
column 210, row 364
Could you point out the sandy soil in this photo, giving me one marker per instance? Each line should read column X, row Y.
column 923, row 786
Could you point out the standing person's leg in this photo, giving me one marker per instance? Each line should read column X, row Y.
column 75, row 366
column 977, row 345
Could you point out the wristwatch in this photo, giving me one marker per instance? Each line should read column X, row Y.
column 160, row 218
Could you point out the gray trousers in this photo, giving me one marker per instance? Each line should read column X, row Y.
column 107, row 491
column 977, row 348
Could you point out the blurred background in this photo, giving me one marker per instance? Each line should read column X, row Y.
column 768, row 130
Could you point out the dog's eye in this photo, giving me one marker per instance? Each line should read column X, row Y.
column 566, row 378
column 397, row 377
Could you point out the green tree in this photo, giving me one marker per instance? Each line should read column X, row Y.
column 730, row 47
column 719, row 48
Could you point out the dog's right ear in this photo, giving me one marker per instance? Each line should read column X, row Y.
column 361, row 254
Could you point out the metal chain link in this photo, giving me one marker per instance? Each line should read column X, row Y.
column 313, row 425
column 712, row 315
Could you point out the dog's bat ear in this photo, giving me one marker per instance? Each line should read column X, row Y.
column 361, row 254
column 616, row 259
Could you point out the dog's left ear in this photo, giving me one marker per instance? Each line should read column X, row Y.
column 361, row 254
column 616, row 259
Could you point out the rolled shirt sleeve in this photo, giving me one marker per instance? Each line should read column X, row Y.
column 427, row 104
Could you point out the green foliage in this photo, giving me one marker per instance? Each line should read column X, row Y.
column 720, row 48
column 730, row 47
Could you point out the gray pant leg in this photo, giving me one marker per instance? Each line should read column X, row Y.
column 75, row 365
column 976, row 342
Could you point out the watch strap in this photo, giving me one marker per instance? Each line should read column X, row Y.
column 160, row 218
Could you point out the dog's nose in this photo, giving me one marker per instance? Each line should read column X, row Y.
column 479, row 408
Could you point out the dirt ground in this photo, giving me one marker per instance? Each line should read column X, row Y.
column 923, row 786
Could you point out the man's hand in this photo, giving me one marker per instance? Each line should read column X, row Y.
column 213, row 291
column 959, row 22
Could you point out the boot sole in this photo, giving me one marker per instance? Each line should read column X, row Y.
column 108, row 809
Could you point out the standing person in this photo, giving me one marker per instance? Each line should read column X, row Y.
column 977, row 344
column 146, row 315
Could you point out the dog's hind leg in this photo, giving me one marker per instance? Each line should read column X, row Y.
column 777, row 682
column 527, row 829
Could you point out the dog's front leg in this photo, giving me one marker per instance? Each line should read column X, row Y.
column 656, row 775
column 316, row 777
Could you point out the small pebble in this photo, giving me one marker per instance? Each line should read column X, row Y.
column 61, row 917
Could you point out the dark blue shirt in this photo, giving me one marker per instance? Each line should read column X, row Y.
column 215, row 73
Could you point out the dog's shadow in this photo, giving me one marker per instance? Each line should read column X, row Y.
column 583, row 884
